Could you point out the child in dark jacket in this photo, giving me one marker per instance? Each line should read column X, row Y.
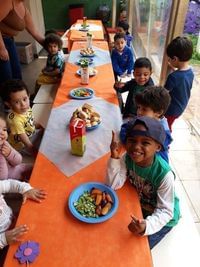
column 142, row 78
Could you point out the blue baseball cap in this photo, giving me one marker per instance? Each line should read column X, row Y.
column 154, row 129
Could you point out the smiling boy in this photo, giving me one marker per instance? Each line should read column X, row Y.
column 151, row 176
column 142, row 78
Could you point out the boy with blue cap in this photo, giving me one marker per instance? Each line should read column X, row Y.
column 149, row 174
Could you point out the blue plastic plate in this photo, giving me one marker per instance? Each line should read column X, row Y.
column 74, row 93
column 91, row 73
column 76, row 193
column 90, row 60
column 92, row 127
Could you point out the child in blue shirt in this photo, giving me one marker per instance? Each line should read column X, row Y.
column 123, row 26
column 122, row 56
column 179, row 82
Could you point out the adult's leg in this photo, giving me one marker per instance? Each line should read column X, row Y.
column 10, row 69
column 14, row 60
column 157, row 237
column 5, row 67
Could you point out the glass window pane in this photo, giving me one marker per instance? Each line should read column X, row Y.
column 150, row 30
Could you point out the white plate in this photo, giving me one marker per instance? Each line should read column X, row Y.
column 92, row 72
column 75, row 93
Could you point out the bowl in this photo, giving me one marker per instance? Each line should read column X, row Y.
column 82, row 93
column 77, row 192
column 92, row 72
column 90, row 60
column 92, row 127
column 87, row 52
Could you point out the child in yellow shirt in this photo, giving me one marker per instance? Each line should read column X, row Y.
column 23, row 135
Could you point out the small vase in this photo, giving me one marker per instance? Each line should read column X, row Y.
column 89, row 40
column 84, row 75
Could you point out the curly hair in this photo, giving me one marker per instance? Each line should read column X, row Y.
column 155, row 97
column 52, row 38
column 12, row 86
column 180, row 47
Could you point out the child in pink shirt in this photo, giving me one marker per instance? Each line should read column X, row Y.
column 11, row 166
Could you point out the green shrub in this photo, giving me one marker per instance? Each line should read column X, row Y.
column 195, row 56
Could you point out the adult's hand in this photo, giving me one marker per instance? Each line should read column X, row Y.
column 4, row 54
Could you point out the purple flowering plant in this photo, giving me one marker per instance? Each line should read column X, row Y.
column 192, row 22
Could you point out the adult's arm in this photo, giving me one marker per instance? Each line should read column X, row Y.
column 30, row 27
column 6, row 6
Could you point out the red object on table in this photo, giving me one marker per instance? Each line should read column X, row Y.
column 75, row 12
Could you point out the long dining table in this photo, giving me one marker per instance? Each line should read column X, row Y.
column 78, row 33
column 63, row 239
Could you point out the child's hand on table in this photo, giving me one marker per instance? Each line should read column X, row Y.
column 119, row 84
column 137, row 226
column 14, row 235
column 35, row 194
column 115, row 147
column 5, row 149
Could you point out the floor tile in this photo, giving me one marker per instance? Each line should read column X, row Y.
column 180, row 124
column 185, row 200
column 198, row 227
column 193, row 190
column 31, row 71
column 186, row 164
column 184, row 140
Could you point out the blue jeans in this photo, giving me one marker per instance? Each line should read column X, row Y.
column 157, row 237
column 10, row 69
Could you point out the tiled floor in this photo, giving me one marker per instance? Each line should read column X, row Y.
column 184, row 159
column 184, row 150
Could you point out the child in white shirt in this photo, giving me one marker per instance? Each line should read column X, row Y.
column 8, row 236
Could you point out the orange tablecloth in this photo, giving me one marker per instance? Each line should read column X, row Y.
column 77, row 35
column 65, row 241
